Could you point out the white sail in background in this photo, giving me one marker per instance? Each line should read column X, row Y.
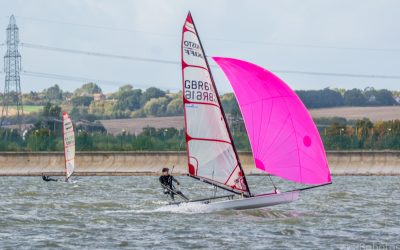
column 69, row 145
column 211, row 153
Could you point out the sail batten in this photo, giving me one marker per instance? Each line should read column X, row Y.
column 284, row 139
column 69, row 145
column 211, row 152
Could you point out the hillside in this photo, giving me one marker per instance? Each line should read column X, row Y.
column 351, row 113
column 135, row 125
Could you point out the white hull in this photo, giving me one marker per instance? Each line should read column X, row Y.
column 259, row 201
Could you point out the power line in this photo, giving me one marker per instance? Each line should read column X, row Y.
column 91, row 53
column 337, row 74
column 298, row 72
column 267, row 43
column 309, row 46
column 82, row 79
column 96, row 26
column 69, row 78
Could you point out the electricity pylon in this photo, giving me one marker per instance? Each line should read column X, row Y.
column 12, row 65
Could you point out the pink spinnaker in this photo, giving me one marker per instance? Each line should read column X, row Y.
column 283, row 137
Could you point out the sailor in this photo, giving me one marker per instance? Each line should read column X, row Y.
column 47, row 178
column 166, row 181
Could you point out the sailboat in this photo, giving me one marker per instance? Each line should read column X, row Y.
column 284, row 140
column 69, row 146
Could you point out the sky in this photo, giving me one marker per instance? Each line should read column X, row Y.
column 341, row 36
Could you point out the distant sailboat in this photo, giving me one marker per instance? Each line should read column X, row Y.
column 284, row 140
column 69, row 145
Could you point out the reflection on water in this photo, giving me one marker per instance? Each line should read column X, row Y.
column 131, row 212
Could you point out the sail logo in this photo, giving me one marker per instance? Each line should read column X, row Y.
column 199, row 91
column 192, row 49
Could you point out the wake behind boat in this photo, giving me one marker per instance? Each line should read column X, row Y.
column 284, row 140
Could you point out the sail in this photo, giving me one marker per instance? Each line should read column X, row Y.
column 284, row 139
column 69, row 145
column 211, row 153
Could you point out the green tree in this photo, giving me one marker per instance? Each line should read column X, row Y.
column 88, row 89
column 320, row 98
column 81, row 101
column 102, row 108
column 354, row 97
column 364, row 130
column 156, row 107
column 51, row 110
column 175, row 107
column 128, row 98
column 385, row 98
column 151, row 93
column 32, row 98
column 53, row 94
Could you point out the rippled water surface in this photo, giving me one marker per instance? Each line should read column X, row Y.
column 130, row 212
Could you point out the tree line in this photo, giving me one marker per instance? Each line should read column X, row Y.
column 326, row 98
column 46, row 135
column 90, row 103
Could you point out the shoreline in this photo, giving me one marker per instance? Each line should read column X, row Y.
column 123, row 163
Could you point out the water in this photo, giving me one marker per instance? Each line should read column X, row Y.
column 130, row 212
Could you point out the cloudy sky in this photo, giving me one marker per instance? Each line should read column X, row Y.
column 359, row 37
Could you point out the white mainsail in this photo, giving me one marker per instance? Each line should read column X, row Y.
column 69, row 145
column 211, row 153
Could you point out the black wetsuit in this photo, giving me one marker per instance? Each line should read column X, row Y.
column 167, row 181
column 47, row 178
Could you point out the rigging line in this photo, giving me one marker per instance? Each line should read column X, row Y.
column 311, row 46
column 91, row 53
column 82, row 79
column 272, row 182
column 309, row 187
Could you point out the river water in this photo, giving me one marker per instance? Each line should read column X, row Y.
column 130, row 213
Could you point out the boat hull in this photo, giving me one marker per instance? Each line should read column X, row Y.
column 259, row 201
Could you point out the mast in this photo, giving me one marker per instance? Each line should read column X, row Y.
column 220, row 104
